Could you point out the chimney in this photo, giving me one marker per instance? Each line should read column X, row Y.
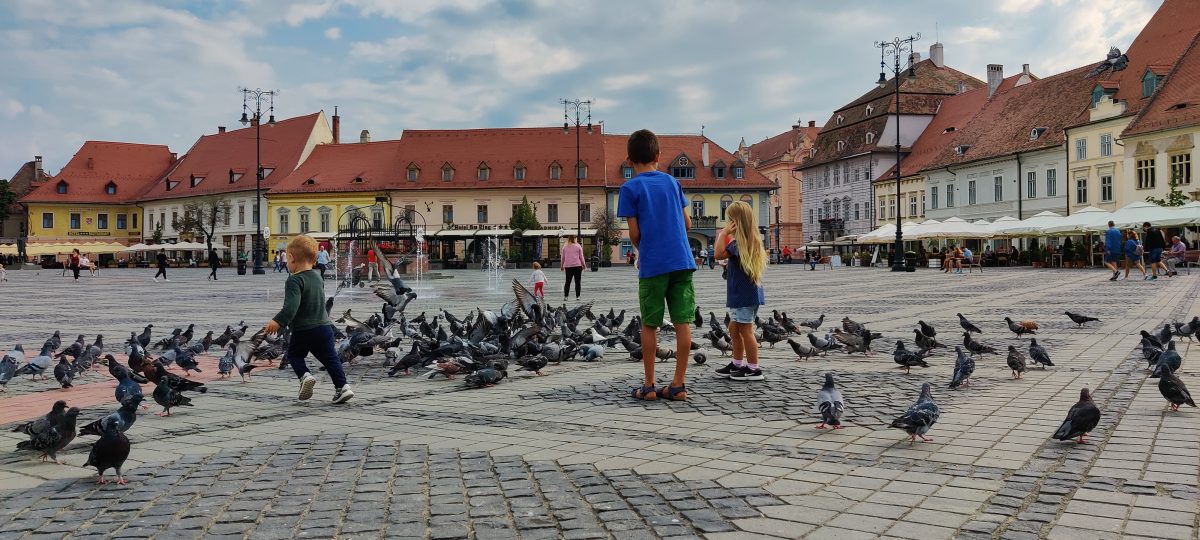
column 913, row 58
column 962, row 87
column 1025, row 69
column 936, row 55
column 812, row 123
column 253, row 121
column 337, row 126
column 37, row 166
column 174, row 157
column 704, row 153
column 91, row 163
column 995, row 76
column 220, row 129
column 364, row 137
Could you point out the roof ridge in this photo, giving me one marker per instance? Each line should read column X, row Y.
column 1166, row 79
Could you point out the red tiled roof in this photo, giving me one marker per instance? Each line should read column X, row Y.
column 130, row 166
column 1156, row 48
column 1002, row 127
column 671, row 147
column 501, row 150
column 347, row 167
column 772, row 149
column 922, row 96
column 213, row 156
column 1176, row 103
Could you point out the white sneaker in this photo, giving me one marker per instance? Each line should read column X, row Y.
column 343, row 395
column 156, row 279
column 307, row 382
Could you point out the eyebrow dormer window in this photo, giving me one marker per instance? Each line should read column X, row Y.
column 195, row 180
column 447, row 173
column 357, row 180
column 840, row 120
column 869, row 110
column 235, row 176
column 310, row 182
column 61, row 188
column 414, row 172
column 110, row 188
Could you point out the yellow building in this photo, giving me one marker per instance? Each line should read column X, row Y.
column 777, row 158
column 94, row 197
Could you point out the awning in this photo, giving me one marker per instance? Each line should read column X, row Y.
column 1033, row 226
column 1188, row 214
column 35, row 248
column 1081, row 221
column 547, row 233
column 454, row 233
column 494, row 232
column 1134, row 214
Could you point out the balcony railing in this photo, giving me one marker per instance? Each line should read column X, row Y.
column 704, row 222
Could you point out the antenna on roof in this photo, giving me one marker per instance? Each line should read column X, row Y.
column 701, row 130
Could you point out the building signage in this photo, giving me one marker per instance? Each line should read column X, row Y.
column 89, row 233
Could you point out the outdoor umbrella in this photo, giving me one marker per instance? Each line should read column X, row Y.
column 882, row 235
column 1132, row 215
column 1000, row 223
column 1033, row 226
column 953, row 227
column 1088, row 219
column 1188, row 214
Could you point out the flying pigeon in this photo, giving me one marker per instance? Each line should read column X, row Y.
column 1016, row 362
column 921, row 416
column 1083, row 417
column 1081, row 319
column 964, row 366
column 109, row 452
column 967, row 325
column 830, row 404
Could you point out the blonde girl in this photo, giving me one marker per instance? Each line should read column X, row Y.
column 740, row 244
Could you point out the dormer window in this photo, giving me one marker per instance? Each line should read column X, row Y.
column 812, row 152
column 581, row 170
column 869, row 110
column 414, row 172
column 1097, row 93
column 841, row 145
column 110, row 188
column 482, row 172
column 948, row 130
column 447, row 172
column 1036, row 132
column 61, row 188
column 626, row 172
column 839, row 120
column 171, row 184
column 357, row 180
column 519, row 171
column 718, row 170
column 961, row 149
column 267, row 171
column 195, row 180
column 555, row 171
column 682, row 168
column 739, row 171
column 235, row 176
column 870, row 137
column 310, row 182
column 1149, row 83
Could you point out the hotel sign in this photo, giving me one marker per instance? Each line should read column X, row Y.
column 89, row 233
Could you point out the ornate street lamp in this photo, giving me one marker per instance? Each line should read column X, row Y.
column 897, row 47
column 581, row 108
column 258, row 96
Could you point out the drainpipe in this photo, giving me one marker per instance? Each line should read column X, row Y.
column 1020, row 211
column 1067, row 172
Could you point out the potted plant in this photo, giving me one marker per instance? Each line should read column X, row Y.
column 1081, row 253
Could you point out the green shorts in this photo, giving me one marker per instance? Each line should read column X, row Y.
column 673, row 291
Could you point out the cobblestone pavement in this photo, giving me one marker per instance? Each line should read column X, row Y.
column 568, row 455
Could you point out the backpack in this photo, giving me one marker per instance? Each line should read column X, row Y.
column 1138, row 250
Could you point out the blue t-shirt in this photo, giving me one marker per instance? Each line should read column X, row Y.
column 656, row 200
column 1131, row 249
column 1112, row 240
column 322, row 257
column 739, row 290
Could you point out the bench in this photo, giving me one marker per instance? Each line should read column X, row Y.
column 974, row 263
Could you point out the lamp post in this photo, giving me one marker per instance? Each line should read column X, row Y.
column 581, row 108
column 258, row 95
column 896, row 47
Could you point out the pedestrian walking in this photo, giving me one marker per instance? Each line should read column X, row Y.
column 3, row 274
column 304, row 312
column 538, row 279
column 1133, row 253
column 322, row 261
column 214, row 261
column 74, row 262
column 572, row 263
column 1112, row 250
column 1154, row 241
column 372, row 263
column 278, row 261
column 657, row 212
column 739, row 244
column 161, row 259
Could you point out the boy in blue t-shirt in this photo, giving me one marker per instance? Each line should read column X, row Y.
column 653, row 203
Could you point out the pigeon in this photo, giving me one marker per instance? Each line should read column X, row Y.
column 127, row 386
column 823, row 345
column 592, row 352
column 408, row 361
column 1188, row 330
column 1165, row 334
column 109, row 452
column 8, row 366
column 534, row 364
column 1080, row 319
column 225, row 363
column 50, row 433
column 144, row 338
column 976, row 347
column 1083, row 417
column 124, row 417
column 53, row 342
column 830, row 404
column 63, row 373
column 1150, row 353
column 75, row 349
column 1021, row 328
column 1016, row 362
column 908, row 359
column 38, row 364
column 853, row 342
column 1168, row 361
column 815, row 324
column 927, row 329
column 701, row 356
column 185, row 359
column 967, row 325
column 852, row 326
column 803, row 351
column 1152, row 339
column 921, row 416
column 925, row 343
column 483, row 378
column 1172, row 388
column 168, row 397
column 964, row 366
column 1038, row 354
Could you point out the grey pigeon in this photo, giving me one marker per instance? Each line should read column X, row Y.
column 225, row 363
column 1016, row 362
column 1038, row 354
column 1172, row 388
column 927, row 329
column 483, row 378
column 1083, row 417
column 64, row 373
column 50, row 433
column 921, row 416
column 592, row 352
column 968, row 325
column 803, row 351
column 109, row 452
column 1151, row 353
column 1021, row 328
column 908, row 359
column 815, row 324
column 701, row 356
column 823, row 345
column 8, row 365
column 185, row 359
column 123, row 418
column 144, row 338
column 925, row 343
column 535, row 364
column 1168, row 361
column 830, row 404
column 964, row 366
column 976, row 348
column 1081, row 320
column 37, row 365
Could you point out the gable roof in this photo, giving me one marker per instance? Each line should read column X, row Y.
column 502, row 149
column 773, row 149
column 671, row 146
column 1003, row 125
column 334, row 167
column 1176, row 103
column 28, row 177
column 130, row 166
column 213, row 156
column 919, row 96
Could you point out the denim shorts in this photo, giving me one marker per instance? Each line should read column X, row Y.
column 1154, row 256
column 745, row 315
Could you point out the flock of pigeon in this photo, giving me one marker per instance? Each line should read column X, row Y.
column 482, row 345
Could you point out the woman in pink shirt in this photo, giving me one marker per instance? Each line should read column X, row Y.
column 572, row 264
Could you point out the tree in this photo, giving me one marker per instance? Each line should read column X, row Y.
column 201, row 218
column 157, row 236
column 7, row 198
column 1175, row 197
column 523, row 218
column 608, row 233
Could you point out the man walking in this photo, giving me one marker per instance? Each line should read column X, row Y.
column 1154, row 241
column 161, row 259
column 1112, row 249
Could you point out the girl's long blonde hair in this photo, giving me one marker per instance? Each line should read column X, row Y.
column 750, row 246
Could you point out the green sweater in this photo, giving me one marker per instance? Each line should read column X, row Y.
column 303, row 302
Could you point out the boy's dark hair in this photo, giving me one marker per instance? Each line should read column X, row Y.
column 642, row 146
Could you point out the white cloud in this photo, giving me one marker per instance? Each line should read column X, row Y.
column 299, row 13
column 10, row 107
column 625, row 81
column 389, row 49
column 976, row 34
column 1018, row 6
column 333, row 33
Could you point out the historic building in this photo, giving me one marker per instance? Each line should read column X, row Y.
column 28, row 177
column 777, row 158
column 1103, row 164
column 95, row 197
column 221, row 167
column 858, row 144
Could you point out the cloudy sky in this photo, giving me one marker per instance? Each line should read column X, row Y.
column 166, row 72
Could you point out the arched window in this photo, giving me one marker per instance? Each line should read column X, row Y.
column 447, row 172
column 726, row 200
column 846, row 208
column 697, row 206
column 61, row 188
column 110, row 188
column 555, row 171
column 870, row 137
column 483, row 172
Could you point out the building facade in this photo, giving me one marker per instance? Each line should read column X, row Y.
column 29, row 176
column 777, row 158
